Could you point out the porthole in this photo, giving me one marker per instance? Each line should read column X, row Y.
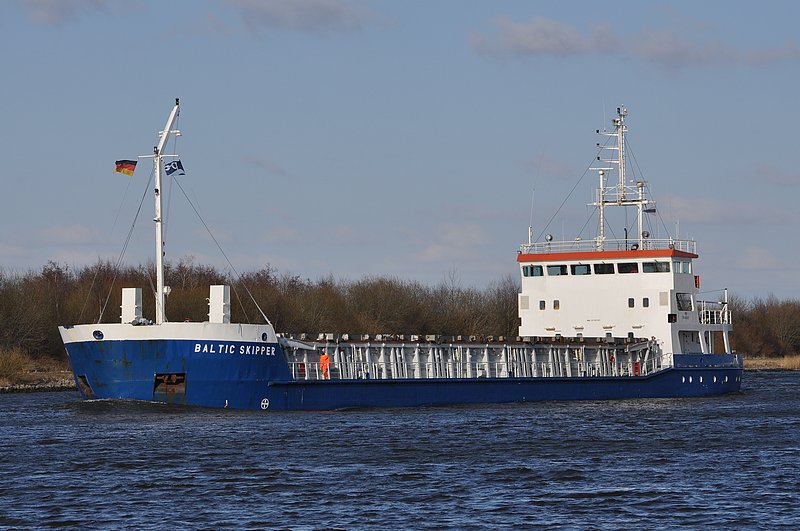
column 264, row 336
column 715, row 379
column 701, row 379
column 97, row 334
column 726, row 379
column 690, row 379
column 683, row 379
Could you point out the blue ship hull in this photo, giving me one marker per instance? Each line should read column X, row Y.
column 240, row 375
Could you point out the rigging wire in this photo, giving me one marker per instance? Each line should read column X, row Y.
column 125, row 246
column 97, row 270
column 170, row 177
column 230, row 264
column 589, row 167
column 647, row 186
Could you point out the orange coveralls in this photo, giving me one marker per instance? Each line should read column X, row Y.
column 325, row 365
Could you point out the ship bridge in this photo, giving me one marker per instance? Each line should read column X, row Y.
column 622, row 288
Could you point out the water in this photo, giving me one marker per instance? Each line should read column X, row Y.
column 729, row 462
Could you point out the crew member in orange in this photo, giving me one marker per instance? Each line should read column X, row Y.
column 325, row 365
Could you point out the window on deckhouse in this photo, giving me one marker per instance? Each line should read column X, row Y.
column 556, row 270
column 532, row 271
column 684, row 302
column 604, row 269
column 681, row 266
column 655, row 267
column 628, row 267
column 581, row 269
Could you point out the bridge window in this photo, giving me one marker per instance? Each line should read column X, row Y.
column 581, row 269
column 532, row 271
column 604, row 269
column 628, row 267
column 556, row 270
column 680, row 266
column 655, row 267
column 684, row 302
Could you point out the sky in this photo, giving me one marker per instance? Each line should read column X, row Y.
column 413, row 139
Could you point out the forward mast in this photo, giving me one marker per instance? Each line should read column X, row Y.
column 158, row 151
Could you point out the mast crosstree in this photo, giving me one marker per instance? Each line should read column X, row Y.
column 622, row 194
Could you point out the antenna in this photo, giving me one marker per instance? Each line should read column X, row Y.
column 530, row 224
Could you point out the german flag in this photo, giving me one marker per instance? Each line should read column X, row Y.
column 126, row 166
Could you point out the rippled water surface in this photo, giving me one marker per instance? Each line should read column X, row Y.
column 730, row 462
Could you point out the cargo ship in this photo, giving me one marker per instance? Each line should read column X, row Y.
column 600, row 319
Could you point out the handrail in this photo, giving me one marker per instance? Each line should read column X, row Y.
column 714, row 313
column 475, row 370
column 579, row 245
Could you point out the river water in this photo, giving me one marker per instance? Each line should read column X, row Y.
column 731, row 462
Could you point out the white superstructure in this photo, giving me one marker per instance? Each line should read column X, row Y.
column 637, row 287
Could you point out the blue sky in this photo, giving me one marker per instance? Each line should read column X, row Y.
column 403, row 138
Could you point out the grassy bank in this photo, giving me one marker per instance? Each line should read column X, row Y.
column 21, row 372
column 788, row 363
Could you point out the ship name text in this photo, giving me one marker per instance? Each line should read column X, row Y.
column 227, row 348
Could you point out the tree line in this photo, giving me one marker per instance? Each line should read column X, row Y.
column 34, row 304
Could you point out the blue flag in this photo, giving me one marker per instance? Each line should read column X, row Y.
column 173, row 167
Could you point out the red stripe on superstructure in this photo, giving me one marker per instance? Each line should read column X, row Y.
column 604, row 255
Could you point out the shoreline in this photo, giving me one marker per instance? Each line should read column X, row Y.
column 64, row 381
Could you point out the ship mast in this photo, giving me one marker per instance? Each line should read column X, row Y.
column 621, row 194
column 161, row 290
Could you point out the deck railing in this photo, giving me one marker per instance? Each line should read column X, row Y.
column 713, row 313
column 449, row 370
column 579, row 245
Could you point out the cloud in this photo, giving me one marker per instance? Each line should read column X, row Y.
column 548, row 166
column 775, row 176
column 757, row 258
column 541, row 36
column 266, row 165
column 788, row 52
column 315, row 16
column 667, row 48
column 58, row 12
column 453, row 241
column 282, row 235
column 68, row 235
column 723, row 212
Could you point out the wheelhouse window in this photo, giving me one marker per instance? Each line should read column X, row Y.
column 655, row 267
column 681, row 266
column 532, row 271
column 580, row 269
column 628, row 267
column 556, row 270
column 684, row 302
column 604, row 269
